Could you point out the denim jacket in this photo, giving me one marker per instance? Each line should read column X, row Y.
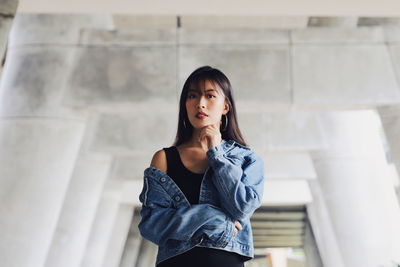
column 231, row 189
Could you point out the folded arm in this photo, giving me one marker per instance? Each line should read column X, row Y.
column 160, row 221
column 240, row 187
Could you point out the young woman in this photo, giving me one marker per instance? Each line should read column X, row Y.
column 198, row 195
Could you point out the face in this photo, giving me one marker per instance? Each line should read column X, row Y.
column 209, row 100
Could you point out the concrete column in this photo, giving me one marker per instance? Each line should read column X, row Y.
column 390, row 118
column 40, row 137
column 132, row 245
column 7, row 12
column 358, row 192
column 322, row 226
column 119, row 236
column 39, row 140
column 75, row 222
column 102, row 227
column 313, row 258
column 147, row 255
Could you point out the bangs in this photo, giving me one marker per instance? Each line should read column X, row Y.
column 198, row 85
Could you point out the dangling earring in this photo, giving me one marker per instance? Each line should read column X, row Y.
column 184, row 124
column 226, row 122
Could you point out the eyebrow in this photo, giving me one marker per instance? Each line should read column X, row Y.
column 196, row 91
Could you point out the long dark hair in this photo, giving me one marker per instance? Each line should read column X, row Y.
column 196, row 80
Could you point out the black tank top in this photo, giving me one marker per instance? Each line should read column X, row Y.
column 189, row 183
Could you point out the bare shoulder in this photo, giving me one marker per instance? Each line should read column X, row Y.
column 159, row 160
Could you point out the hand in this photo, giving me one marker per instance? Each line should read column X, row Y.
column 237, row 226
column 211, row 135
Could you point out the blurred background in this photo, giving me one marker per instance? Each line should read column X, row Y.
column 89, row 91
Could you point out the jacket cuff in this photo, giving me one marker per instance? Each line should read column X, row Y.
column 215, row 151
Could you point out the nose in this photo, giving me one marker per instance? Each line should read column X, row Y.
column 201, row 103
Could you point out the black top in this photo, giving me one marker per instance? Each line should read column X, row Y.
column 189, row 183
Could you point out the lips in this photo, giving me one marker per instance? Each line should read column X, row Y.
column 201, row 113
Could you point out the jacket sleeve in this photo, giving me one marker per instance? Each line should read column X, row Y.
column 240, row 187
column 161, row 221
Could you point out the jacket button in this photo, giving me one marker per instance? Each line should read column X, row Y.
column 177, row 198
column 163, row 179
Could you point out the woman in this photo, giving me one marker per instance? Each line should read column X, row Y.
column 198, row 195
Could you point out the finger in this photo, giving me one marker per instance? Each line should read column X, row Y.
column 234, row 232
column 238, row 225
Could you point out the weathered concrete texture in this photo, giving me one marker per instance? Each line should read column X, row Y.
column 78, row 211
column 390, row 118
column 33, row 81
column 255, row 72
column 322, row 225
column 132, row 245
column 5, row 26
column 343, row 76
column 102, row 227
column 243, row 22
column 291, row 165
column 394, row 51
column 148, row 253
column 334, row 21
column 392, row 34
column 355, row 36
column 119, row 236
column 124, row 134
column 349, row 173
column 8, row 7
column 293, row 131
column 124, row 169
column 132, row 37
column 283, row 131
column 232, row 36
column 122, row 74
column 382, row 21
column 36, row 161
column 7, row 11
column 313, row 258
column 254, row 137
column 124, row 21
column 53, row 29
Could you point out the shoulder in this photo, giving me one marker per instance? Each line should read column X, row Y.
column 159, row 160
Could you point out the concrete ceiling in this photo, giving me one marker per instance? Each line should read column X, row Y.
column 217, row 7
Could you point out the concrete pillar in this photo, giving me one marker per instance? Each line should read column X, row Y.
column 312, row 256
column 75, row 222
column 7, row 12
column 39, row 140
column 147, row 255
column 106, row 214
column 357, row 190
column 40, row 137
column 132, row 245
column 390, row 118
column 119, row 236
column 322, row 226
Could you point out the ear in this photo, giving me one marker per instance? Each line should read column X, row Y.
column 226, row 108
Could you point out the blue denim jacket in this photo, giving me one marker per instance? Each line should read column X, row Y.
column 232, row 189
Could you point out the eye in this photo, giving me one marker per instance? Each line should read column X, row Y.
column 211, row 95
column 190, row 95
